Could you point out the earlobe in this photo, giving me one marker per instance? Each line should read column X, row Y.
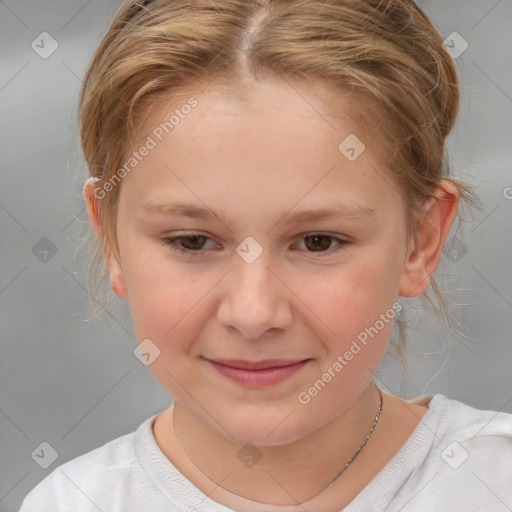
column 425, row 252
column 92, row 200
column 117, row 281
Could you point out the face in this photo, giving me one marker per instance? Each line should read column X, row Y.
column 242, row 274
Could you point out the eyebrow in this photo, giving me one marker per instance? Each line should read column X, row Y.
column 200, row 212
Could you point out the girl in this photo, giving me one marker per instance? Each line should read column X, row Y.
column 266, row 180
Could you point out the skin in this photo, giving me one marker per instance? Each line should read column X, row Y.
column 255, row 159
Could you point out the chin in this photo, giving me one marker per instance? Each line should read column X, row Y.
column 266, row 429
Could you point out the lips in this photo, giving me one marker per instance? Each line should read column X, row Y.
column 256, row 365
column 257, row 374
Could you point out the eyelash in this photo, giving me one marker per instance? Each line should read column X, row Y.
column 171, row 243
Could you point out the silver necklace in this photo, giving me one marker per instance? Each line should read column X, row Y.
column 334, row 478
column 358, row 451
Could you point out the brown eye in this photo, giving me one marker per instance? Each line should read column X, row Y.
column 318, row 242
column 192, row 245
column 321, row 243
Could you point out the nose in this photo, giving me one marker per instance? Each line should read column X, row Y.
column 255, row 299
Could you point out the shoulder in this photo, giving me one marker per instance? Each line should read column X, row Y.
column 484, row 436
column 74, row 485
column 469, row 462
column 470, row 427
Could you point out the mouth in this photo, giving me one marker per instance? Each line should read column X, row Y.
column 257, row 373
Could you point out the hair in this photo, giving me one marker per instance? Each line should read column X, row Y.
column 387, row 54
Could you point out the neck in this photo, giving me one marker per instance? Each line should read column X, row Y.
column 283, row 475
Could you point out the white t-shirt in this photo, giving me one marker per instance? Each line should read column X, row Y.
column 457, row 459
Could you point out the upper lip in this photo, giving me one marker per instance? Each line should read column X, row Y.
column 256, row 365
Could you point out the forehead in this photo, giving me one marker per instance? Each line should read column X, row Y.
column 316, row 101
column 265, row 142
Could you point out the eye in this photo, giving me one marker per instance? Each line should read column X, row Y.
column 320, row 242
column 191, row 244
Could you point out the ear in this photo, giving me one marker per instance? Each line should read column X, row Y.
column 426, row 247
column 93, row 196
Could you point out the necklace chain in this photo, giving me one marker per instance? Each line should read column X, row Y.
column 358, row 451
column 334, row 478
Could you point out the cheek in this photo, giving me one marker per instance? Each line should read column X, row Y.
column 357, row 304
column 161, row 292
column 163, row 302
column 354, row 296
column 166, row 302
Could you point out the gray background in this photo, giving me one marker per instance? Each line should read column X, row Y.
column 75, row 383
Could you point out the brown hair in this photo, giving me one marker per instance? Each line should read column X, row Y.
column 387, row 53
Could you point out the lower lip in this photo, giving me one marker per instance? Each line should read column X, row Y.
column 258, row 378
